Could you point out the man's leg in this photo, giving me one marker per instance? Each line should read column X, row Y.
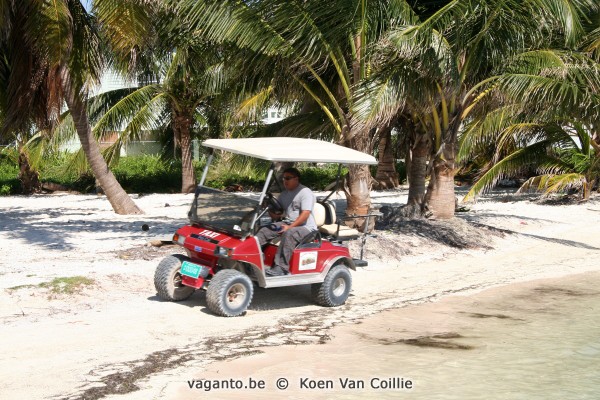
column 265, row 234
column 289, row 241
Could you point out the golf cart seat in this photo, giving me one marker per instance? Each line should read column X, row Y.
column 329, row 225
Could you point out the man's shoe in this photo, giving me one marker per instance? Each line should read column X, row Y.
column 275, row 271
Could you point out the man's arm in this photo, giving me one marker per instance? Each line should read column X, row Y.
column 302, row 218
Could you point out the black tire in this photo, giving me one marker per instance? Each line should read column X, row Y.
column 229, row 293
column 167, row 280
column 335, row 288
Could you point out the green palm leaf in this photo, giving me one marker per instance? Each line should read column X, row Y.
column 551, row 183
column 535, row 155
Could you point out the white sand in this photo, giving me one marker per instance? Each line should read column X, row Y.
column 63, row 345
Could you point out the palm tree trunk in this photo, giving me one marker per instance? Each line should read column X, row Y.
column 440, row 198
column 118, row 198
column 358, row 194
column 29, row 177
column 387, row 177
column 358, row 182
column 416, row 177
column 182, row 124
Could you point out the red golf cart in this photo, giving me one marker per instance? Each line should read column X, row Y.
column 224, row 257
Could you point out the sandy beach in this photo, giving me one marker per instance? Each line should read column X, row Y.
column 116, row 339
column 529, row 340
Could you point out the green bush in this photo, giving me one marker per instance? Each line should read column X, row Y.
column 137, row 174
column 9, row 181
column 151, row 174
column 318, row 178
column 55, row 169
column 251, row 177
column 148, row 174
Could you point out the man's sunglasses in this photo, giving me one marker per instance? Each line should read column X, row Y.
column 287, row 178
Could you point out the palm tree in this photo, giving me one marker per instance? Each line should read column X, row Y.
column 562, row 155
column 386, row 177
column 189, row 85
column 546, row 108
column 323, row 47
column 176, row 105
column 54, row 55
column 438, row 69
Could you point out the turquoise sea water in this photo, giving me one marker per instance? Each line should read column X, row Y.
column 532, row 341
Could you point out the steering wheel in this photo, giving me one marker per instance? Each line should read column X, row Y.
column 273, row 204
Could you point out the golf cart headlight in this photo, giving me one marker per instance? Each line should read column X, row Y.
column 179, row 239
column 223, row 251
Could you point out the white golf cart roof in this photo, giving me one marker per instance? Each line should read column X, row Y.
column 290, row 149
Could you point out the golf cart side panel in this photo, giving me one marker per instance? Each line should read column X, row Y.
column 311, row 260
column 246, row 251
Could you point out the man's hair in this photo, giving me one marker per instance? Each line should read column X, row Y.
column 292, row 171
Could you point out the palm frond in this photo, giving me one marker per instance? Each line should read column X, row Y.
column 147, row 118
column 550, row 82
column 64, row 132
column 551, row 183
column 484, row 131
column 86, row 58
column 377, row 102
column 126, row 108
column 252, row 107
column 311, row 125
column 515, row 163
column 51, row 20
column 127, row 24
column 568, row 14
column 551, row 95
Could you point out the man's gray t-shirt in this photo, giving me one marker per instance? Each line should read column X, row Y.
column 297, row 200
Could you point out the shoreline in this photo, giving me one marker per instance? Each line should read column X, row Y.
column 422, row 335
column 117, row 337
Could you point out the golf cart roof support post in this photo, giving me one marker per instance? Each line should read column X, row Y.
column 205, row 172
column 263, row 193
column 337, row 183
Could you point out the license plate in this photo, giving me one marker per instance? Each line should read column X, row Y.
column 190, row 269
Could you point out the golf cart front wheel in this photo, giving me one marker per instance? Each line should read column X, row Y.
column 229, row 293
column 335, row 288
column 167, row 280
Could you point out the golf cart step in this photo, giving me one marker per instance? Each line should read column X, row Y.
column 360, row 263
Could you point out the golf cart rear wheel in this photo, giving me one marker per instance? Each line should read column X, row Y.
column 167, row 280
column 335, row 288
column 229, row 293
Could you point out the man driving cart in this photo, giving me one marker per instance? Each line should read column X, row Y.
column 298, row 202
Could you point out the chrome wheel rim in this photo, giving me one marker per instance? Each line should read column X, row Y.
column 339, row 287
column 177, row 280
column 236, row 295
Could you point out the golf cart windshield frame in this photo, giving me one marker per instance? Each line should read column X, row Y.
column 227, row 212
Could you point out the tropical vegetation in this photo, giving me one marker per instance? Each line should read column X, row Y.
column 510, row 87
column 52, row 52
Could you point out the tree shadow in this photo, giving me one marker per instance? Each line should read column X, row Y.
column 564, row 242
column 47, row 228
